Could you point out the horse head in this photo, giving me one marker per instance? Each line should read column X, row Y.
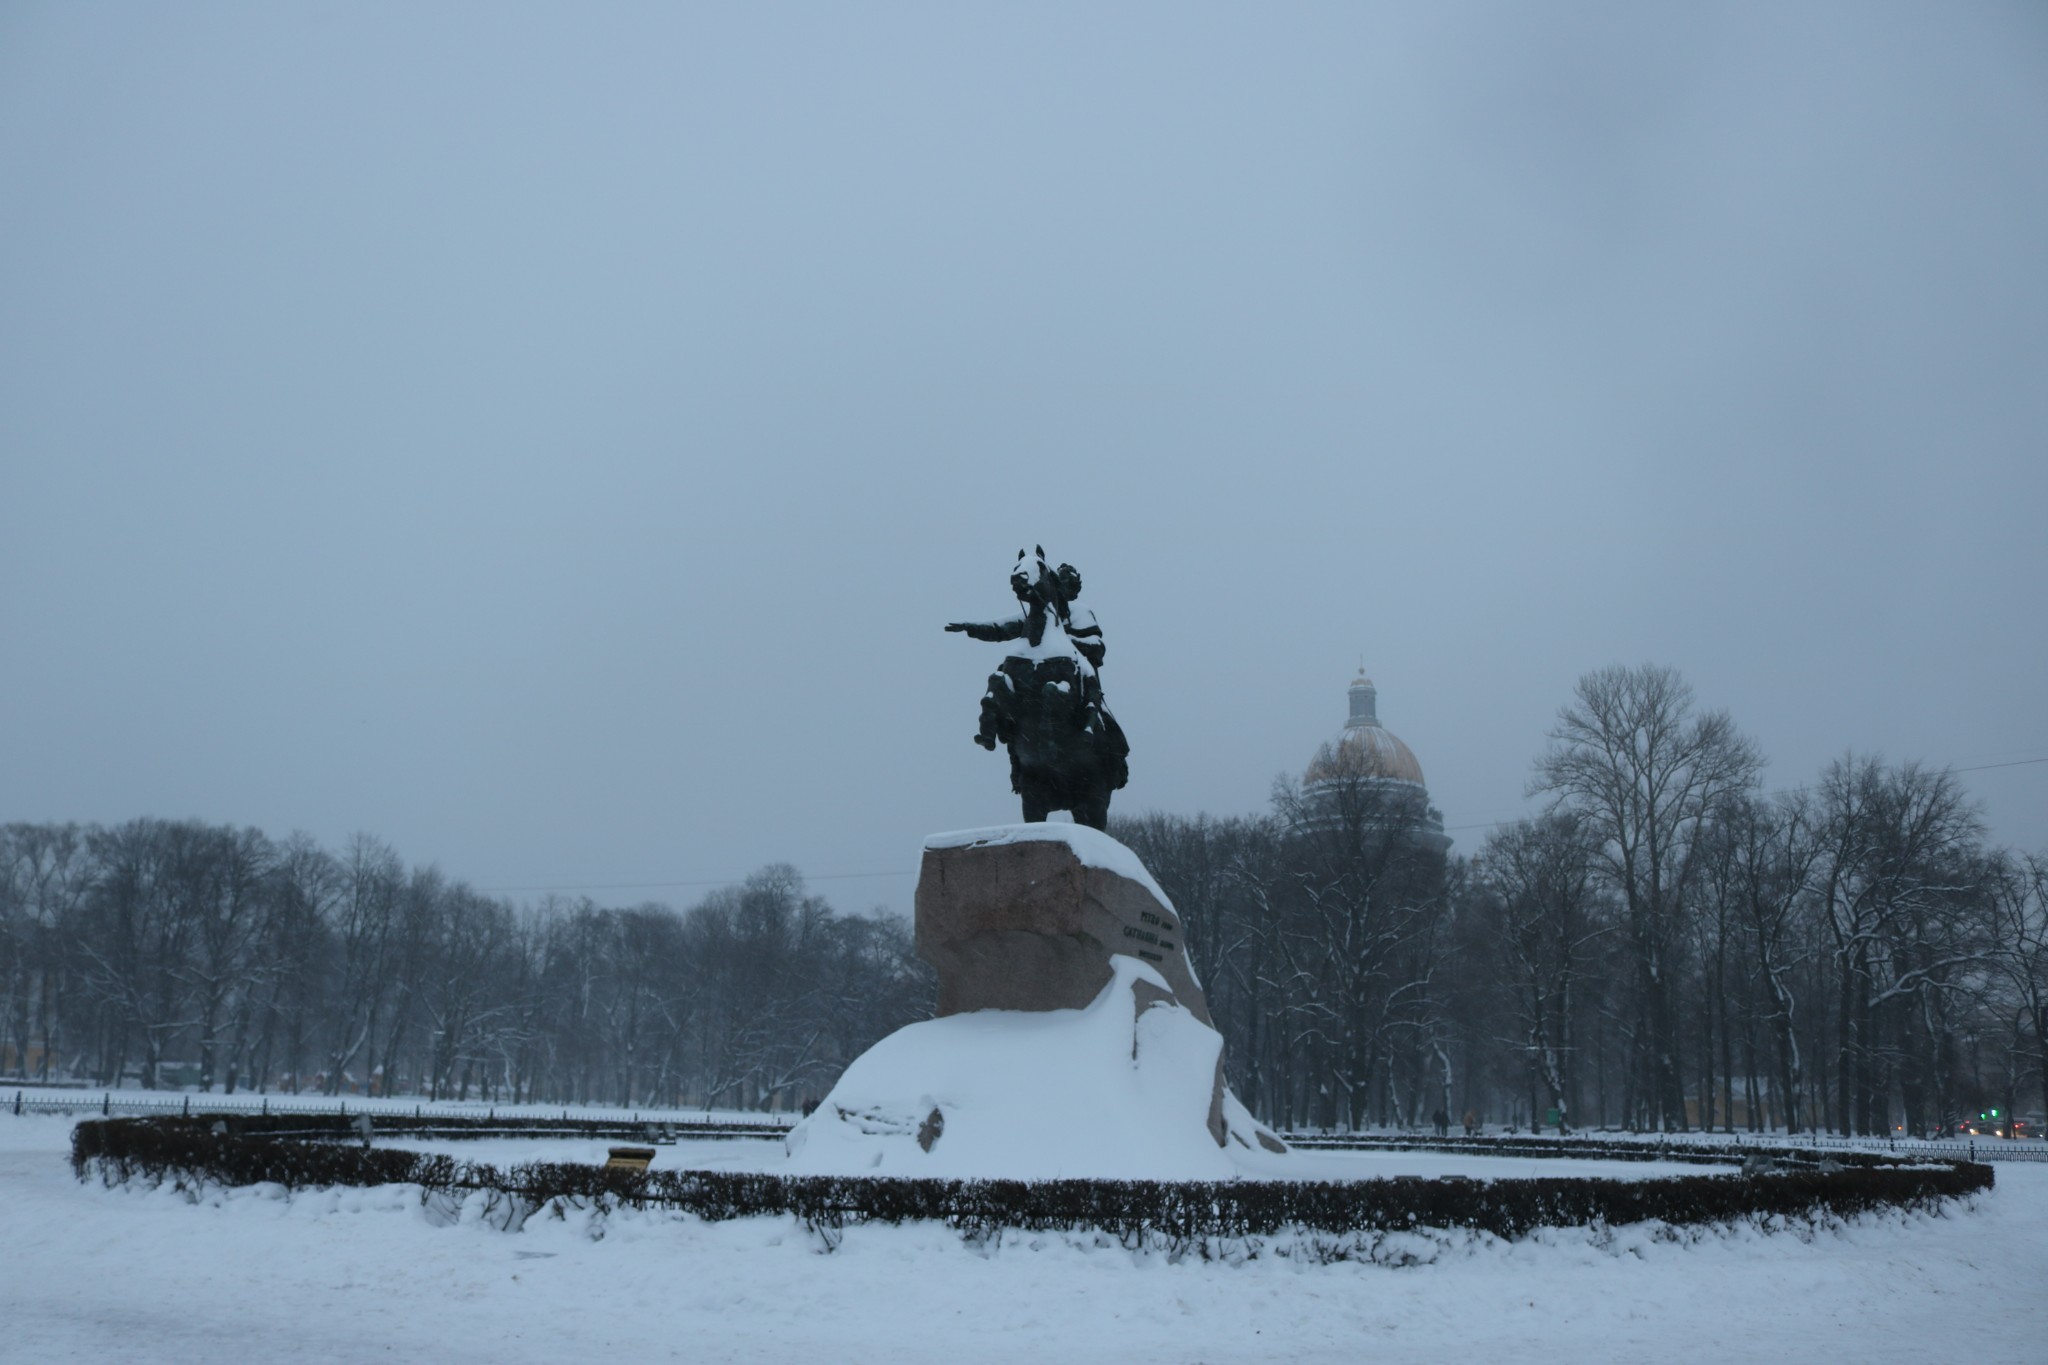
column 1031, row 580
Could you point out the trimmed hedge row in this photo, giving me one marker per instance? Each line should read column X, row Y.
column 1189, row 1210
column 207, row 1149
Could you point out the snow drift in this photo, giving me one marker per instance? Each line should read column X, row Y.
column 1122, row 1089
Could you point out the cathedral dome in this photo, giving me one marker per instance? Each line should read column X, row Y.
column 1364, row 748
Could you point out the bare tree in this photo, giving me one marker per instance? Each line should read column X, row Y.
column 133, row 942
column 1771, row 853
column 287, row 995
column 1644, row 774
column 463, row 993
column 2019, row 899
column 1903, row 898
column 411, row 963
column 360, row 896
column 218, row 879
column 1540, row 875
column 1358, row 931
column 44, row 875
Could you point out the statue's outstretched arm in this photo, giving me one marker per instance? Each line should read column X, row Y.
column 995, row 632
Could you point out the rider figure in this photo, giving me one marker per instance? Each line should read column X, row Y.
column 1036, row 599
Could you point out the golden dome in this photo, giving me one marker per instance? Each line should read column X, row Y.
column 1365, row 751
column 1364, row 748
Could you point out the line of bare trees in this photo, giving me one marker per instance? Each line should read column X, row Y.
column 177, row 953
column 1665, row 946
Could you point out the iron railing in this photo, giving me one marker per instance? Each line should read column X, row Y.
column 1963, row 1148
column 108, row 1104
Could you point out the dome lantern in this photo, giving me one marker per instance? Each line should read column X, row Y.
column 1364, row 702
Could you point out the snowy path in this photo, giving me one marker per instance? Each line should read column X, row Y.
column 754, row 1154
column 93, row 1274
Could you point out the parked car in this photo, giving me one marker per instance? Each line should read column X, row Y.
column 1990, row 1124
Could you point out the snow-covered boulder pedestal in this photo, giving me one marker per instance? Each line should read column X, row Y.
column 1027, row 917
column 1072, row 1039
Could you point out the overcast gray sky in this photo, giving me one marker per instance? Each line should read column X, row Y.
column 552, row 438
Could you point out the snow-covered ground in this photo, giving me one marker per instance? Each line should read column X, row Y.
column 754, row 1154
column 88, row 1273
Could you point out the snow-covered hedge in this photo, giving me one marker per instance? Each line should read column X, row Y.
column 205, row 1150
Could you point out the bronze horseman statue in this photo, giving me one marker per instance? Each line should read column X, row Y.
column 1045, row 700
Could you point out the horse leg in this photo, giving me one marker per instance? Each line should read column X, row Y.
column 1092, row 810
column 1035, row 804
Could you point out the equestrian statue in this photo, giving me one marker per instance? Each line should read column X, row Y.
column 1044, row 701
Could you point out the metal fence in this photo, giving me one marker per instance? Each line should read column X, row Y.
column 1966, row 1148
column 112, row 1104
column 1960, row 1148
